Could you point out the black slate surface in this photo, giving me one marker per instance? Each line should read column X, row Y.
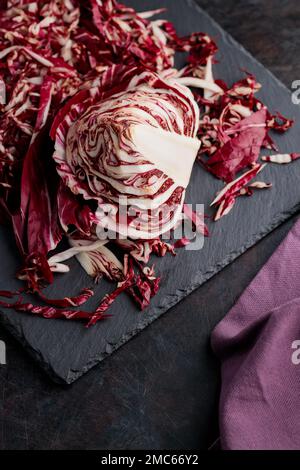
column 67, row 350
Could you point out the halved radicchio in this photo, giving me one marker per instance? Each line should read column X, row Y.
column 129, row 142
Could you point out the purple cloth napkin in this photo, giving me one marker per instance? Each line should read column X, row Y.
column 257, row 345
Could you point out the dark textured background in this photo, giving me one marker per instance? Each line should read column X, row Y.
column 161, row 389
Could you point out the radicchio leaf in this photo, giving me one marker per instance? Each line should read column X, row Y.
column 242, row 150
column 197, row 219
column 226, row 198
column 281, row 159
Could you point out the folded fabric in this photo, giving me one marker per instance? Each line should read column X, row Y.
column 258, row 343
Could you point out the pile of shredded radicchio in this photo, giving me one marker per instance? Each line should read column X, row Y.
column 93, row 112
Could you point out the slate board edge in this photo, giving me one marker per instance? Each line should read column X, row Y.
column 172, row 299
column 167, row 304
column 231, row 40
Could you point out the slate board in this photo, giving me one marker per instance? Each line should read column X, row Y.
column 66, row 350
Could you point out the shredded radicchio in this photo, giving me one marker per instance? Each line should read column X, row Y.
column 95, row 121
column 281, row 159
